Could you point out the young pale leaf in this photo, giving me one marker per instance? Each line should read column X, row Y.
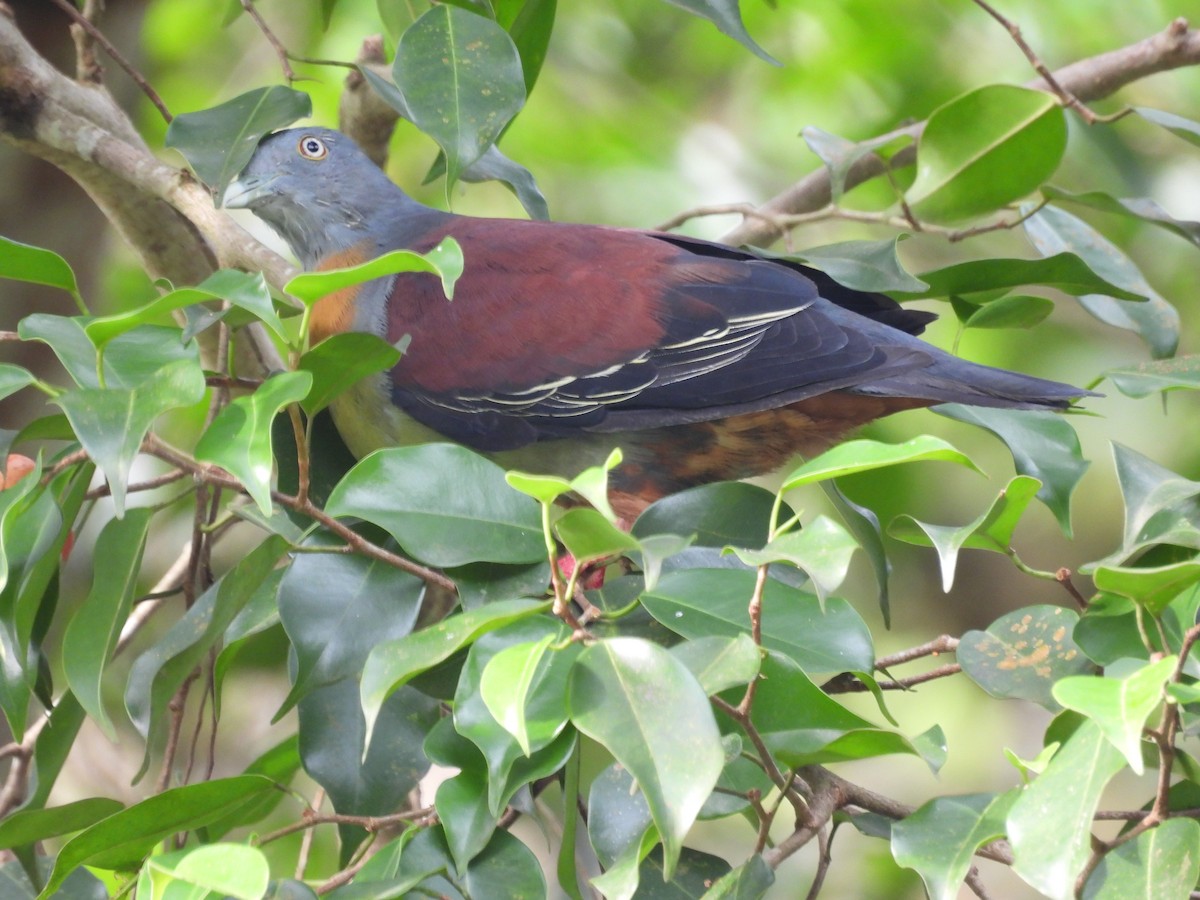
column 444, row 504
column 726, row 15
column 646, row 708
column 1063, row 271
column 22, row 262
column 1160, row 505
column 1023, row 653
column 1043, row 445
column 341, row 361
column 112, row 423
column 462, row 82
column 939, row 840
column 445, row 261
column 984, row 149
column 591, row 484
column 507, row 682
column 124, row 839
column 1015, row 311
column 392, row 663
column 1143, row 379
column 92, row 633
column 239, row 438
column 1160, row 863
column 231, row 870
column 864, row 265
column 822, row 549
column 589, row 536
column 993, row 530
column 698, row 603
column 218, row 142
column 1156, row 321
column 1152, row 588
column 864, row 455
column 1050, row 824
column 1120, row 706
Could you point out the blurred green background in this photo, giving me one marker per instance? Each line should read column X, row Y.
column 643, row 111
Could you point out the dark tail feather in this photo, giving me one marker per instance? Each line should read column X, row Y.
column 952, row 380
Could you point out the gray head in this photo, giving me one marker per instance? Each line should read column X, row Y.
column 319, row 191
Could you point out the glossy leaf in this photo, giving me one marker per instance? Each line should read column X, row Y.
column 1064, row 271
column 12, row 379
column 29, row 826
column 1043, row 445
column 124, row 839
column 728, row 19
column 392, row 663
column 495, row 166
column 1049, row 826
column 822, row 550
column 863, row 523
column 864, row 455
column 1156, row 321
column 939, row 840
column 232, row 870
column 445, row 261
column 239, row 438
column 697, row 603
column 1141, row 208
column 92, row 633
column 984, row 149
column 23, row 262
column 462, row 82
column 649, row 712
column 864, row 265
column 505, row 869
column 279, row 763
column 1023, row 653
column 1152, row 588
column 219, row 141
column 506, row 684
column 589, row 536
column 111, row 424
column 719, row 663
column 1119, row 706
column 461, row 800
column 1144, row 379
column 157, row 674
column 749, row 881
column 1013, row 311
column 418, row 495
column 1160, row 863
column 336, row 609
column 992, row 530
column 341, row 361
column 730, row 513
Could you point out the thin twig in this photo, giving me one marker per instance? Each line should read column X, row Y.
column 306, row 841
column 276, row 44
column 1063, row 577
column 115, row 54
column 151, row 484
column 367, row 823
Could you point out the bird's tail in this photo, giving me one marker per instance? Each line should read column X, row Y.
column 952, row 380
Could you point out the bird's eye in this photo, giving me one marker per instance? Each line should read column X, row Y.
column 313, row 148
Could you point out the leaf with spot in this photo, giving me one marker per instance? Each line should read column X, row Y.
column 1144, row 379
column 1162, row 862
column 1023, row 653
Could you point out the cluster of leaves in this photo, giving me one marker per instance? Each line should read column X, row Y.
column 698, row 683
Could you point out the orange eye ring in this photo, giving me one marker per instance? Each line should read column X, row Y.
column 312, row 148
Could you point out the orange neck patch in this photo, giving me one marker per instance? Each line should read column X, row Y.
column 334, row 313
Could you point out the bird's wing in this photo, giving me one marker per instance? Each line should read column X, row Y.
column 555, row 329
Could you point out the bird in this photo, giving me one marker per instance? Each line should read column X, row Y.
column 702, row 362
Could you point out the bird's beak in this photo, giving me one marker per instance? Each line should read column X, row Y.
column 243, row 193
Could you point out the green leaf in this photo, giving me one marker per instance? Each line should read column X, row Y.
column 1023, row 653
column 530, row 23
column 279, row 763
column 863, row 523
column 462, row 82
column 92, row 633
column 219, row 141
column 591, row 484
column 730, row 513
column 54, row 743
column 1160, row 863
column 260, row 613
column 341, row 361
column 1143, row 379
column 392, row 663
column 505, row 869
column 864, row 265
column 157, row 674
column 863, row 455
column 79, row 885
column 1177, row 125
column 1120, row 706
column 12, row 379
column 1152, row 588
column 445, row 261
column 495, row 166
column 444, row 504
column 239, row 438
column 984, row 149
column 231, row 870
column 646, row 708
column 1043, row 445
column 840, row 155
column 1063, row 271
column 1141, row 208
column 822, row 549
column 1156, row 321
column 22, row 262
column 506, row 684
column 124, row 839
column 939, row 840
column 992, row 530
column 1008, row 312
column 719, row 663
column 728, row 19
column 697, row 603
column 749, row 881
column 331, row 641
column 111, row 424
column 1050, row 824
column 28, row 826
column 589, row 536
